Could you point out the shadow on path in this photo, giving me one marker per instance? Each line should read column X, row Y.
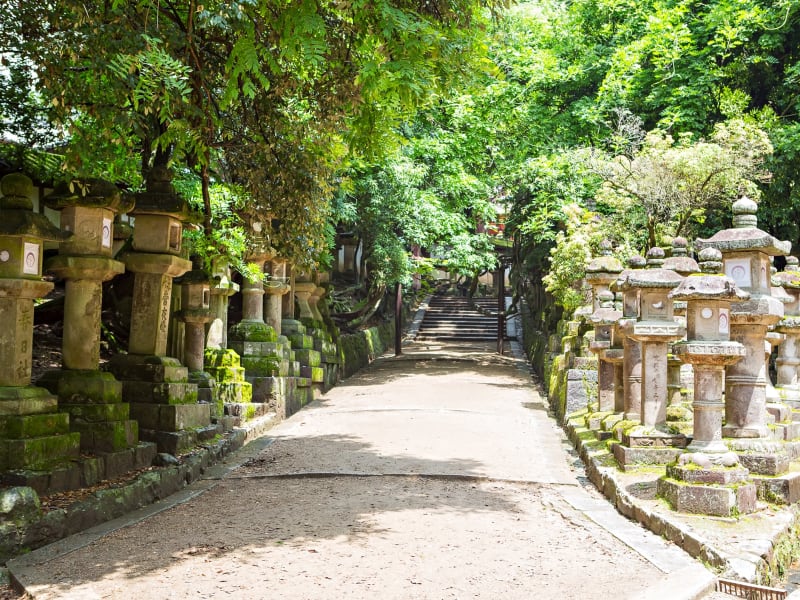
column 248, row 513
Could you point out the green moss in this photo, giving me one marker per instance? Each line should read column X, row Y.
column 261, row 366
column 221, row 357
column 252, row 331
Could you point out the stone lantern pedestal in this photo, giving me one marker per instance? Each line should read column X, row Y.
column 36, row 445
column 310, row 359
column 303, row 291
column 162, row 399
column 92, row 398
column 275, row 289
column 651, row 442
column 678, row 413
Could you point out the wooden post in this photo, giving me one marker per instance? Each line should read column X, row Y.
column 398, row 320
column 501, row 307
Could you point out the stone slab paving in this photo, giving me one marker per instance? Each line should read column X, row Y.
column 437, row 474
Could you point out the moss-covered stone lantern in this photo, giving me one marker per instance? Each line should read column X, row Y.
column 33, row 435
column 92, row 397
column 162, row 398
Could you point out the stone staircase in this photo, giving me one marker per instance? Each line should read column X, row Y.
column 451, row 318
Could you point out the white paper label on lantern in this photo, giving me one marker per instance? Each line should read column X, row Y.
column 706, row 313
column 738, row 269
column 30, row 262
column 724, row 321
column 106, row 233
column 4, row 256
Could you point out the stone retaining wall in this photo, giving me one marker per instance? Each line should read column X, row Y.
column 360, row 349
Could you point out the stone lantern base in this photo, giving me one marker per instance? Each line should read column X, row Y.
column 35, row 440
column 641, row 446
column 311, row 373
column 234, row 394
column 769, row 463
column 714, row 490
column 94, row 400
column 163, row 401
column 267, row 361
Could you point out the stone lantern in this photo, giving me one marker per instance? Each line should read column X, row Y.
column 92, row 397
column 348, row 265
column 221, row 362
column 262, row 356
column 632, row 361
column 609, row 350
column 654, row 329
column 600, row 274
column 708, row 478
column 708, row 347
column 33, row 436
column 788, row 361
column 162, row 398
column 746, row 252
column 195, row 313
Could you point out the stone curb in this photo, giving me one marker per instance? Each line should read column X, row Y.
column 690, row 583
column 149, row 487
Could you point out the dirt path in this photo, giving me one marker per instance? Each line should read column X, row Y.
column 427, row 477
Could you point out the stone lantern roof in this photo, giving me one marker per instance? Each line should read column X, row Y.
column 790, row 276
column 745, row 234
column 710, row 284
column 18, row 217
column 649, row 279
column 634, row 263
column 680, row 261
column 160, row 197
column 605, row 263
column 93, row 193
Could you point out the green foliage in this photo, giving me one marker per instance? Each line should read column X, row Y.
column 570, row 255
column 227, row 237
column 669, row 184
column 261, row 94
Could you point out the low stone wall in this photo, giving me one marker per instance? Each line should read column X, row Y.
column 25, row 525
column 360, row 349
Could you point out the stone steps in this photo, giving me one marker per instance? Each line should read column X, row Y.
column 454, row 319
